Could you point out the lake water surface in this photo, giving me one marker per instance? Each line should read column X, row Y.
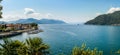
column 62, row 38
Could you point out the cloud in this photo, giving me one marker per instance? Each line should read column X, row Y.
column 28, row 11
column 49, row 15
column 31, row 13
column 113, row 9
column 11, row 17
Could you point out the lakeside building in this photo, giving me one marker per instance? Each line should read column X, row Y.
column 11, row 27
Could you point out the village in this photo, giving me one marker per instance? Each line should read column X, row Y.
column 7, row 30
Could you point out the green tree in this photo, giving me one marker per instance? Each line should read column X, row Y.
column 32, row 46
column 0, row 0
column 34, row 24
column 37, row 47
column 106, row 19
column 13, row 47
column 0, row 10
column 85, row 51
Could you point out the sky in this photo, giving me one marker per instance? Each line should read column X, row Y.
column 70, row 11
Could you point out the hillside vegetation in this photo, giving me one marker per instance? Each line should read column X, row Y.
column 106, row 19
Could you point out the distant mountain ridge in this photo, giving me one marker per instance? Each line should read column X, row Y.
column 106, row 19
column 2, row 22
column 42, row 21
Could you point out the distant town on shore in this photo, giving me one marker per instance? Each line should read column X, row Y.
column 15, row 29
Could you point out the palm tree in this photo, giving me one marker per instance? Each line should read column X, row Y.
column 36, row 46
column 32, row 46
column 13, row 47
column 5, row 47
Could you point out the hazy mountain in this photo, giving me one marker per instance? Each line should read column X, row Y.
column 42, row 21
column 51, row 21
column 2, row 22
column 106, row 19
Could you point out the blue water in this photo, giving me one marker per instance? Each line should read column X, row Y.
column 62, row 38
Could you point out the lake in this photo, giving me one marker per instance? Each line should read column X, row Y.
column 62, row 38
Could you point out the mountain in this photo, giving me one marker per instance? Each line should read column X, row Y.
column 29, row 20
column 106, row 19
column 42, row 21
column 2, row 22
column 51, row 21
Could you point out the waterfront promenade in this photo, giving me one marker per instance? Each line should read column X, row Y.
column 9, row 30
column 13, row 33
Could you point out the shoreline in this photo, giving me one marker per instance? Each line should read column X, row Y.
column 15, row 33
column 9, row 30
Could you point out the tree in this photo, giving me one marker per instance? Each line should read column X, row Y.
column 0, row 0
column 13, row 47
column 85, row 51
column 0, row 10
column 106, row 19
column 36, row 46
column 32, row 46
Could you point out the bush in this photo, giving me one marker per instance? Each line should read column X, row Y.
column 85, row 51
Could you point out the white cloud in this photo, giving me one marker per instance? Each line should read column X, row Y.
column 31, row 13
column 49, row 15
column 113, row 9
column 11, row 17
column 28, row 11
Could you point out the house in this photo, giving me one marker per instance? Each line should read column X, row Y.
column 18, row 26
column 10, row 26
